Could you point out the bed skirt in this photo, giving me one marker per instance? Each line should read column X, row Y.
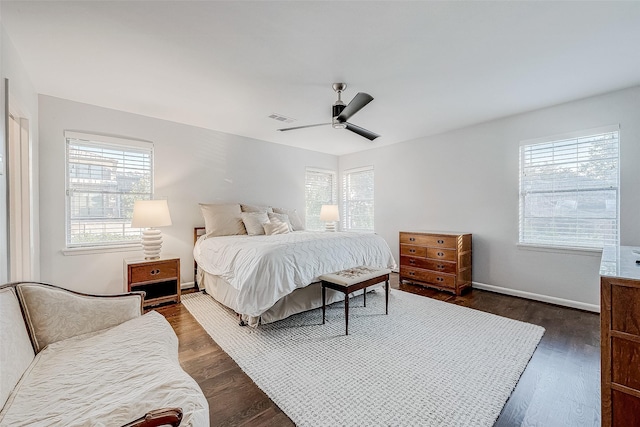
column 300, row 300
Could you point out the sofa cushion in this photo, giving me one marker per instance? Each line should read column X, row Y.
column 107, row 378
column 48, row 323
column 16, row 352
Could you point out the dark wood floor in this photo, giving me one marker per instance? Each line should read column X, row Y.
column 560, row 387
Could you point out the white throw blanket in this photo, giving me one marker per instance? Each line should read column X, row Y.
column 106, row 378
column 266, row 268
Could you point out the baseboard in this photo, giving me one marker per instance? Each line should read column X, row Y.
column 187, row 285
column 537, row 297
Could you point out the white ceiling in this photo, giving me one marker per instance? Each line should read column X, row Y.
column 431, row 66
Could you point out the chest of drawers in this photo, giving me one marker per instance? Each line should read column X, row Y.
column 436, row 259
column 620, row 336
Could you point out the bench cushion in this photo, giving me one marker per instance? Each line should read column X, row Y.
column 107, row 378
column 16, row 352
column 354, row 275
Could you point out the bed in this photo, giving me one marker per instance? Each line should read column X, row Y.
column 265, row 278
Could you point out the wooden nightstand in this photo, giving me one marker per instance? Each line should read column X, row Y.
column 159, row 278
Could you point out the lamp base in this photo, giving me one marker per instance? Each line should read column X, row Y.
column 151, row 243
column 330, row 226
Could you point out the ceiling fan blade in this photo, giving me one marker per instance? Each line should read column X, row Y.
column 360, row 100
column 302, row 127
column 362, row 132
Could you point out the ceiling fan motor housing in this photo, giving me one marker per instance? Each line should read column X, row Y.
column 336, row 109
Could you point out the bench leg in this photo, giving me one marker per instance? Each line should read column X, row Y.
column 346, row 314
column 386, row 297
column 324, row 299
column 365, row 297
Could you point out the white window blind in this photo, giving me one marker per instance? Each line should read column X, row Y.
column 105, row 176
column 569, row 190
column 320, row 189
column 357, row 198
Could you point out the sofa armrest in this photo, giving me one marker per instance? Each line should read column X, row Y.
column 158, row 417
column 53, row 314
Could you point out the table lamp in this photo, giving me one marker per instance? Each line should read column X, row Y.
column 329, row 214
column 149, row 214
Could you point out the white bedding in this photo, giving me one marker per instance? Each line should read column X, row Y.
column 265, row 268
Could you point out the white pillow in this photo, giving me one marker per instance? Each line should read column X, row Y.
column 253, row 208
column 276, row 217
column 254, row 221
column 223, row 219
column 294, row 218
column 275, row 227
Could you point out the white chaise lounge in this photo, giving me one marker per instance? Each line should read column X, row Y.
column 69, row 359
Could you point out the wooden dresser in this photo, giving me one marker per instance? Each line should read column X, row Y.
column 436, row 259
column 620, row 336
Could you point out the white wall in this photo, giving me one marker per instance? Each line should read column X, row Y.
column 23, row 101
column 467, row 180
column 192, row 165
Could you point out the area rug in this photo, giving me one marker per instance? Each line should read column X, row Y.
column 426, row 363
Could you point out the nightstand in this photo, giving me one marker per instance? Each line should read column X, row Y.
column 159, row 278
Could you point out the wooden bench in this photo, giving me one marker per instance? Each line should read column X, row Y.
column 351, row 280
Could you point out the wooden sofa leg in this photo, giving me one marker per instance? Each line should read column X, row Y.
column 158, row 417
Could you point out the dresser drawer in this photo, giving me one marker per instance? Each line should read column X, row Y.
column 438, row 279
column 429, row 264
column 442, row 254
column 447, row 242
column 410, row 250
column 157, row 271
column 413, row 239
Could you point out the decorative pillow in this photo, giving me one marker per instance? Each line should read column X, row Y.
column 276, row 217
column 254, row 221
column 276, row 227
column 294, row 218
column 253, row 208
column 222, row 220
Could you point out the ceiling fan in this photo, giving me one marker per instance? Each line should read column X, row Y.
column 340, row 113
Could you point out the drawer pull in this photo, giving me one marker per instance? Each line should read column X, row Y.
column 440, row 267
column 155, row 272
column 413, row 251
column 411, row 273
column 440, row 242
column 440, row 253
column 412, row 261
column 412, row 239
column 439, row 279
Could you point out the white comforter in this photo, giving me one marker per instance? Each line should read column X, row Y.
column 263, row 269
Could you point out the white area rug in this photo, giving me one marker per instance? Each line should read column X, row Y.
column 428, row 363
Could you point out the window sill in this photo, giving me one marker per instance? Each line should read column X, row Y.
column 594, row 252
column 92, row 250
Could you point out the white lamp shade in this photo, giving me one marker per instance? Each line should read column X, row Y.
column 150, row 213
column 329, row 213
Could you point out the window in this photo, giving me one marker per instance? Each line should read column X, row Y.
column 357, row 198
column 105, row 176
column 320, row 189
column 569, row 190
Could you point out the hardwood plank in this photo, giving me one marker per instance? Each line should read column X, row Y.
column 560, row 386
